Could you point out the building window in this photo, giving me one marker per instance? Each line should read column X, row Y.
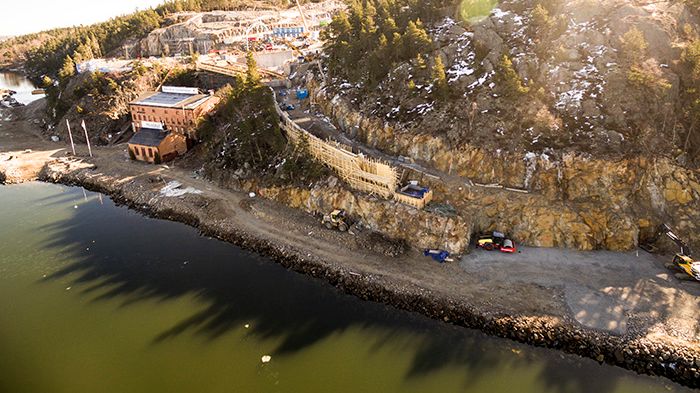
column 150, row 153
column 143, row 151
column 136, row 151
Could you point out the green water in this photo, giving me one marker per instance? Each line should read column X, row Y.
column 97, row 298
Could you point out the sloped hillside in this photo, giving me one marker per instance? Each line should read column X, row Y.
column 591, row 106
column 605, row 77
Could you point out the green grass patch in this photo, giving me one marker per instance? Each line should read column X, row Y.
column 474, row 11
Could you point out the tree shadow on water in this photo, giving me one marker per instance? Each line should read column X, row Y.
column 120, row 255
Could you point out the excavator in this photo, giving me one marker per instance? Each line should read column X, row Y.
column 683, row 261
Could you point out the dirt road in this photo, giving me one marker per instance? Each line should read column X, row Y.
column 625, row 293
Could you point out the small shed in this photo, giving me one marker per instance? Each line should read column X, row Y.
column 414, row 195
column 156, row 146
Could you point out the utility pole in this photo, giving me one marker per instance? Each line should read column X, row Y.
column 70, row 136
column 87, row 138
column 303, row 18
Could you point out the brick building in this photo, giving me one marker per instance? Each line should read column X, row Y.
column 154, row 144
column 177, row 108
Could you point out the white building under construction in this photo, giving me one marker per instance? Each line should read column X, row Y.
column 206, row 31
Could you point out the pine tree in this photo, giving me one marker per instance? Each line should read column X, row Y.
column 397, row 44
column 420, row 62
column 389, row 26
column 356, row 18
column 440, row 87
column 340, row 26
column 634, row 46
column 541, row 20
column 95, row 46
column 380, row 61
column 252, row 75
column 510, row 78
column 415, row 40
column 67, row 70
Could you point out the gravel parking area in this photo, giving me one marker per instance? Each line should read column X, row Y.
column 624, row 293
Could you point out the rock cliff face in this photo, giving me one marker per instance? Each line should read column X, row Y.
column 573, row 200
column 417, row 228
column 586, row 105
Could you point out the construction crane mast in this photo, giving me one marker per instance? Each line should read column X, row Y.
column 303, row 19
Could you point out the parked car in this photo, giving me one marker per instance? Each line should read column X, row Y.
column 491, row 241
column 508, row 246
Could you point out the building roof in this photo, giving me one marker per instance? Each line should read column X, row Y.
column 171, row 100
column 148, row 137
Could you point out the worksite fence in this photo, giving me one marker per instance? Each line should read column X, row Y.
column 360, row 172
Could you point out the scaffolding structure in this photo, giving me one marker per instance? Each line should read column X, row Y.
column 235, row 69
column 360, row 172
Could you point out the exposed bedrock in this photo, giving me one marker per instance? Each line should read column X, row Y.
column 573, row 200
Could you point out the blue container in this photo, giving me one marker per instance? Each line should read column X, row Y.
column 302, row 94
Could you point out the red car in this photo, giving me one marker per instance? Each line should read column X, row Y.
column 508, row 246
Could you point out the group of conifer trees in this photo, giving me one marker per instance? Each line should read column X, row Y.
column 365, row 42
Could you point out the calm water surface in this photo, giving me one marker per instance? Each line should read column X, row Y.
column 20, row 84
column 97, row 298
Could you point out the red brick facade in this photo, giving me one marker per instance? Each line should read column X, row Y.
column 179, row 120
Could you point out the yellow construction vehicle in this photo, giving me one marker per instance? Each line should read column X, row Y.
column 296, row 49
column 338, row 218
column 307, row 58
column 683, row 261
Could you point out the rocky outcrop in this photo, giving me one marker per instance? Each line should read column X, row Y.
column 418, row 228
column 595, row 128
column 574, row 200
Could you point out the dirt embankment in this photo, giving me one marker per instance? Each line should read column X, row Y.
column 516, row 307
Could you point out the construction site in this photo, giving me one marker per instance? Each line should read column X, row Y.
column 232, row 32
column 516, row 249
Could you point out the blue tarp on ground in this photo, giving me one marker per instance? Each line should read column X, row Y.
column 438, row 255
column 302, row 94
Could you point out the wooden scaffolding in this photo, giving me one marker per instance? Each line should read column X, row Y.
column 360, row 172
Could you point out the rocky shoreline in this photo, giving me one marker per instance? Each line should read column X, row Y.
column 6, row 99
column 676, row 361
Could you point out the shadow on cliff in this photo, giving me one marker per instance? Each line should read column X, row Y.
column 120, row 255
